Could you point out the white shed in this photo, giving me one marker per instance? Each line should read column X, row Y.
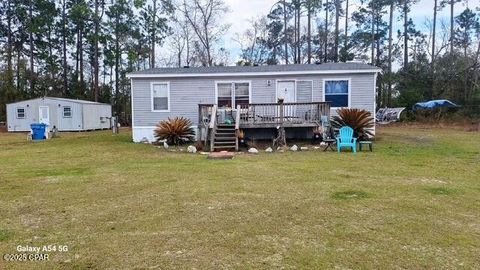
column 64, row 114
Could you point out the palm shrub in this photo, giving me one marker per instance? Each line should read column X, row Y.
column 175, row 131
column 361, row 121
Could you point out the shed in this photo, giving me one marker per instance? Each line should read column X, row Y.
column 62, row 113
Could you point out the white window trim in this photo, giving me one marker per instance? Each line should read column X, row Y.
column 151, row 95
column 63, row 112
column 24, row 112
column 349, row 90
column 233, row 91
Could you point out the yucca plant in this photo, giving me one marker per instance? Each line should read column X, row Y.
column 175, row 131
column 359, row 120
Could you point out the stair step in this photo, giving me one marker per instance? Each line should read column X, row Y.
column 224, row 147
column 223, row 138
column 228, row 126
column 226, row 129
column 224, row 143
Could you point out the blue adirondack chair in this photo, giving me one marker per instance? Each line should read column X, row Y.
column 346, row 139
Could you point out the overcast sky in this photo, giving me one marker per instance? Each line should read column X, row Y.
column 243, row 10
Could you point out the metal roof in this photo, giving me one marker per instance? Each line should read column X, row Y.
column 274, row 69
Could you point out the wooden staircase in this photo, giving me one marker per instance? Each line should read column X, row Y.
column 224, row 138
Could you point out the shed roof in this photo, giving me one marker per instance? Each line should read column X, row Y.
column 65, row 100
column 326, row 68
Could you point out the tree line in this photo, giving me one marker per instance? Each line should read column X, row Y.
column 84, row 48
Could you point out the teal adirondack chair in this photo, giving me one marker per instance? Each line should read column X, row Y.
column 346, row 139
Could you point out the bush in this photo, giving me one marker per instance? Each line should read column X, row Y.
column 360, row 121
column 175, row 131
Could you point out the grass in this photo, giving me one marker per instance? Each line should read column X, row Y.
column 412, row 203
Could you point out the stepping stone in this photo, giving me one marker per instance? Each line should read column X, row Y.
column 221, row 155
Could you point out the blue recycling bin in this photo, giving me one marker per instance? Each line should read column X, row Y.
column 38, row 131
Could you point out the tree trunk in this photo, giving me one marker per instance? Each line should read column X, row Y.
column 372, row 36
column 96, row 64
column 405, row 33
column 9, row 46
column 434, row 27
column 337, row 32
column 452, row 3
column 309, row 35
column 153, row 34
column 80, row 33
column 64, row 49
column 285, row 30
column 326, row 33
column 295, row 37
column 32, row 72
column 117, row 70
column 390, row 47
column 299, row 36
column 345, row 42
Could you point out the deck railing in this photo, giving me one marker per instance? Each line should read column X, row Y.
column 273, row 113
column 287, row 113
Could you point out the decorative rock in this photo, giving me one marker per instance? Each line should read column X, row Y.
column 253, row 151
column 165, row 145
column 144, row 140
column 323, row 144
column 269, row 150
column 316, row 147
column 204, row 153
column 191, row 149
column 294, row 148
column 304, row 148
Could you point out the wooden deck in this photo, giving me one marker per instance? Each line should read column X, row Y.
column 255, row 116
column 269, row 115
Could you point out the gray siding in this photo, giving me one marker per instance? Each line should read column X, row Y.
column 187, row 93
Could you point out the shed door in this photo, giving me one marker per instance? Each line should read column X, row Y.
column 44, row 115
column 286, row 90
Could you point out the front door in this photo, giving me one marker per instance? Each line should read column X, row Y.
column 44, row 115
column 286, row 90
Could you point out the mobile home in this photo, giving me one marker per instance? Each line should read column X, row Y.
column 307, row 92
column 61, row 113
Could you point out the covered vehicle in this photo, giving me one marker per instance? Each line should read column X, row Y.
column 433, row 104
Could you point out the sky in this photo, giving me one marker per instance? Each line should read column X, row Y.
column 243, row 10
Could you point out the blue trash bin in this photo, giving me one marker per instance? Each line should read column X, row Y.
column 38, row 131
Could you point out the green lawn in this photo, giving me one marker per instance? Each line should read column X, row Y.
column 413, row 203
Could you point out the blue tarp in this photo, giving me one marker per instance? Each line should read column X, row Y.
column 432, row 104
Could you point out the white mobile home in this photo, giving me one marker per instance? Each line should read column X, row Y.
column 64, row 114
column 308, row 91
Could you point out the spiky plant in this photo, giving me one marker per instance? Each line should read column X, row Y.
column 359, row 120
column 175, row 131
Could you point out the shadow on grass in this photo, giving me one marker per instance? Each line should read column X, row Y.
column 441, row 191
column 350, row 194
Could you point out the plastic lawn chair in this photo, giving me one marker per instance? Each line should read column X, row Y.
column 346, row 139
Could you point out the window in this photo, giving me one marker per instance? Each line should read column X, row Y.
column 67, row 112
column 337, row 93
column 20, row 113
column 224, row 95
column 231, row 94
column 160, row 97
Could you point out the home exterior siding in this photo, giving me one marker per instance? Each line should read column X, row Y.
column 187, row 92
column 84, row 116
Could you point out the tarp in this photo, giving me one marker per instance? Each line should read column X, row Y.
column 432, row 104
